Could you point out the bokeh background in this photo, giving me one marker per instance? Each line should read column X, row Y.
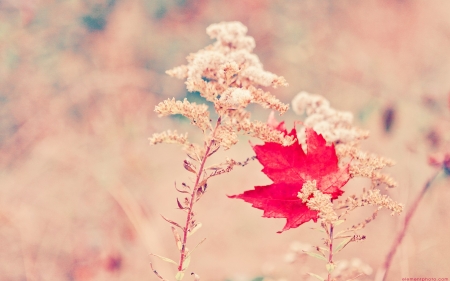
column 81, row 192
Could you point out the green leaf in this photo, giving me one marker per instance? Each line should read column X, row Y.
column 342, row 232
column 336, row 223
column 164, row 259
column 343, row 244
column 342, row 236
column 316, row 255
column 324, row 249
column 317, row 276
column 330, row 267
column 179, row 276
column 186, row 262
column 197, row 227
column 318, row 229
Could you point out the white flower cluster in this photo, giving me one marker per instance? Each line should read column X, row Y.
column 232, row 49
column 227, row 74
column 231, row 35
column 236, row 97
column 335, row 126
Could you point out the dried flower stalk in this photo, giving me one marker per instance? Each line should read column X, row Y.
column 336, row 127
column 227, row 74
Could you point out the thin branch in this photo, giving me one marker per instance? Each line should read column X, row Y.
column 244, row 163
column 330, row 253
column 382, row 273
column 193, row 196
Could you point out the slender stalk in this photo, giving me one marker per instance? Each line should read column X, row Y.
column 382, row 274
column 193, row 196
column 330, row 253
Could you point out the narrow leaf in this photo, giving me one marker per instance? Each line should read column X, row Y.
column 164, row 259
column 190, row 156
column 182, row 191
column 202, row 183
column 214, row 167
column 316, row 276
column 316, row 255
column 196, row 227
column 342, row 236
column 186, row 262
column 318, row 229
column 214, row 151
column 177, row 238
column 179, row 205
column 179, row 276
column 343, row 244
column 188, row 167
column 336, row 223
column 323, row 249
column 173, row 223
column 343, row 231
column 325, row 228
column 199, row 192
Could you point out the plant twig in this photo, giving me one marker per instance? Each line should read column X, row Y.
column 330, row 252
column 193, row 197
column 382, row 273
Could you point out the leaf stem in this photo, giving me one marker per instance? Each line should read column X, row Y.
column 193, row 197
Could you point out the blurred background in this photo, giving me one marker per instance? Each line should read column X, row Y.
column 81, row 192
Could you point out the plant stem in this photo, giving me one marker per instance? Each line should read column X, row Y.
column 193, row 196
column 382, row 274
column 330, row 253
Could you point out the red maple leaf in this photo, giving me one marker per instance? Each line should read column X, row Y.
column 274, row 124
column 289, row 167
